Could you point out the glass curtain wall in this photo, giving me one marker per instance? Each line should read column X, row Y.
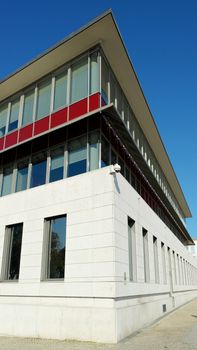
column 3, row 119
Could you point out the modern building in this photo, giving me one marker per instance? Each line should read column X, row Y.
column 88, row 250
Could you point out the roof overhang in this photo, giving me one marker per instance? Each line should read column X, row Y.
column 103, row 30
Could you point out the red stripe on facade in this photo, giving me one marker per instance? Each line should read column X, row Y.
column 2, row 142
column 11, row 139
column 41, row 125
column 78, row 108
column 94, row 101
column 25, row 133
column 59, row 117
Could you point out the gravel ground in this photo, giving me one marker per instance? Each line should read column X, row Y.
column 177, row 331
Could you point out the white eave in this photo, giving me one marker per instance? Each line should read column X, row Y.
column 102, row 30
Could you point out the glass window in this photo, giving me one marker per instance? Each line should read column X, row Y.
column 13, row 251
column 13, row 122
column 56, row 228
column 57, row 165
column 21, row 179
column 113, row 157
column 44, row 100
column 121, row 163
column 94, row 150
column 146, row 255
column 77, row 156
column 7, row 181
column 112, row 89
column 38, row 173
column 156, row 261
column 119, row 98
column 3, row 119
column 105, row 149
column 131, row 249
column 28, row 108
column 104, row 81
column 94, row 73
column 60, row 95
column 79, row 80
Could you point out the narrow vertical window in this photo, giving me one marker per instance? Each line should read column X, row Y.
column 146, row 255
column 14, row 112
column 55, row 228
column 7, row 181
column 77, row 156
column 156, row 261
column 3, row 119
column 94, row 150
column 28, row 108
column 131, row 249
column 174, row 263
column 43, row 100
column 105, row 149
column 163, row 256
column 179, row 271
column 57, row 165
column 94, row 73
column 21, row 179
column 12, row 249
column 38, row 172
column 104, row 82
column 79, row 80
column 60, row 95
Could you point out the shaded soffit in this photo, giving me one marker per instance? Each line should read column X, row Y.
column 103, row 30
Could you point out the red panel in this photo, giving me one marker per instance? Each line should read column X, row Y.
column 11, row 139
column 41, row 125
column 77, row 109
column 59, row 117
column 94, row 101
column 26, row 132
column 1, row 142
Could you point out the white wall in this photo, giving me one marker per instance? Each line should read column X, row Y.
column 94, row 302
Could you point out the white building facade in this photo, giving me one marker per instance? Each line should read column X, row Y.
column 87, row 252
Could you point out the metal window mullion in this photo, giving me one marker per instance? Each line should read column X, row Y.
column 48, row 270
column 89, row 77
column 14, row 177
column 9, row 251
column 69, row 86
column 48, row 166
column 8, row 117
column 29, row 173
column 35, row 104
column 65, row 160
column 21, row 107
column 100, row 78
column 100, row 149
column 52, row 94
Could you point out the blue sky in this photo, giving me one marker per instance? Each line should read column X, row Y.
column 161, row 39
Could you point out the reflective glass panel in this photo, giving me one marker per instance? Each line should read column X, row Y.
column 60, row 95
column 79, row 80
column 14, row 252
column 13, row 122
column 57, row 242
column 94, row 73
column 44, row 100
column 28, row 108
column 21, row 179
column 3, row 119
column 104, row 152
column 94, row 150
column 7, row 181
column 77, row 156
column 38, row 174
column 57, row 165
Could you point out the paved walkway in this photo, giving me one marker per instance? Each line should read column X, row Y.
column 177, row 331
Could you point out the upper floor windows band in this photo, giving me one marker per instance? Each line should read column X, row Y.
column 79, row 79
